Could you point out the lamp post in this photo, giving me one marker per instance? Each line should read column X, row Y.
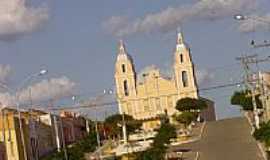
column 240, row 17
column 259, row 81
column 17, row 99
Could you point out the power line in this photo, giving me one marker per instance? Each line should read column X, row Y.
column 115, row 102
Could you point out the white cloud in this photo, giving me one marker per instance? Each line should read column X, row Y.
column 204, row 76
column 145, row 70
column 172, row 17
column 47, row 89
column 6, row 99
column 254, row 23
column 16, row 18
column 5, row 71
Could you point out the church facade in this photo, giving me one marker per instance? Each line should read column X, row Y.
column 155, row 94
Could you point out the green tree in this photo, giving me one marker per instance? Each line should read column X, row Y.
column 159, row 146
column 185, row 118
column 244, row 100
column 76, row 152
column 114, row 123
column 190, row 105
column 263, row 133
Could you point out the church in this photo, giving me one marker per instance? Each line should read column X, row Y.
column 156, row 94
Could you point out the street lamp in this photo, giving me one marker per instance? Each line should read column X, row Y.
column 16, row 92
column 17, row 99
column 43, row 72
column 239, row 17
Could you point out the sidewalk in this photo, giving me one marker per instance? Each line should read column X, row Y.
column 250, row 119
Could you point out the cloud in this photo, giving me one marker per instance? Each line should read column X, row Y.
column 6, row 99
column 255, row 22
column 172, row 17
column 5, row 72
column 145, row 70
column 204, row 76
column 48, row 89
column 17, row 19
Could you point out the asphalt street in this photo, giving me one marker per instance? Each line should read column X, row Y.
column 228, row 139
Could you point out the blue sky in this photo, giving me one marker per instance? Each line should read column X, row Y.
column 78, row 40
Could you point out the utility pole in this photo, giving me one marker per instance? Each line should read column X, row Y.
column 246, row 61
column 124, row 127
column 261, row 79
column 98, row 139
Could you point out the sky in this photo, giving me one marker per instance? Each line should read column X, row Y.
column 76, row 41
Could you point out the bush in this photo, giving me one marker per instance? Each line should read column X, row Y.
column 76, row 152
column 263, row 133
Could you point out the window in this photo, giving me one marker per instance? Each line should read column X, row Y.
column 181, row 58
column 184, row 78
column 126, row 88
column 123, row 68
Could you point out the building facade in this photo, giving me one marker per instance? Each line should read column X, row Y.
column 43, row 133
column 3, row 154
column 10, row 134
column 156, row 94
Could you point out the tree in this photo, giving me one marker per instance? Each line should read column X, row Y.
column 263, row 133
column 244, row 99
column 190, row 105
column 185, row 118
column 159, row 146
column 114, row 123
column 77, row 150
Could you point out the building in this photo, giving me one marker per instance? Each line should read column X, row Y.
column 74, row 127
column 265, row 78
column 156, row 94
column 43, row 133
column 3, row 154
column 10, row 135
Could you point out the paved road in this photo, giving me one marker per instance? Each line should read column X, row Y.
column 228, row 139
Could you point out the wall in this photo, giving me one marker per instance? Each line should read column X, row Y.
column 3, row 151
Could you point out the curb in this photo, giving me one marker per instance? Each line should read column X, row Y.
column 202, row 129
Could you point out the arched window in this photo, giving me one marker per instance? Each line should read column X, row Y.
column 181, row 58
column 126, row 88
column 184, row 78
column 123, row 68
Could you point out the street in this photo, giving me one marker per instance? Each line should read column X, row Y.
column 228, row 139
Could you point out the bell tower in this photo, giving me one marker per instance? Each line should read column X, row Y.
column 185, row 80
column 125, row 75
